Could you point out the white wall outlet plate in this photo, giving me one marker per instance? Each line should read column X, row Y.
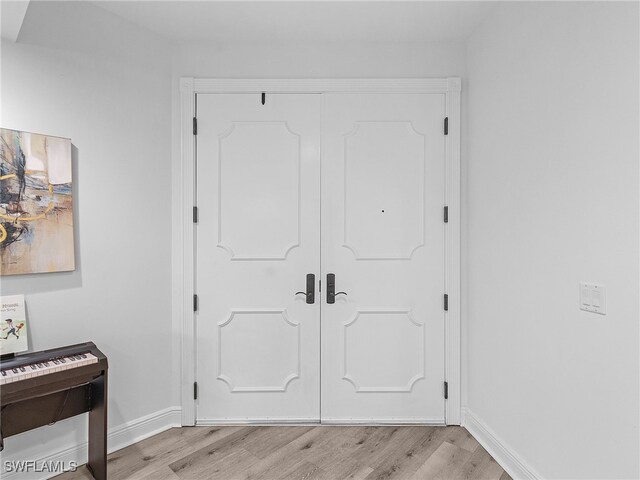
column 593, row 298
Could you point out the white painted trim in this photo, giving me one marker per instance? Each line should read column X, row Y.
column 257, row 421
column 452, row 253
column 386, row 421
column 312, row 421
column 12, row 15
column 328, row 85
column 118, row 437
column 508, row 459
column 184, row 250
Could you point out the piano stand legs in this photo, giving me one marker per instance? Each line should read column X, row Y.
column 98, row 429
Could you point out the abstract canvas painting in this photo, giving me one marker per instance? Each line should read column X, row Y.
column 36, row 203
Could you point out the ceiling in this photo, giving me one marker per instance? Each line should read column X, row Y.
column 11, row 17
column 303, row 21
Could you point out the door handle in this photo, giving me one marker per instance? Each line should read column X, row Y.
column 311, row 289
column 331, row 288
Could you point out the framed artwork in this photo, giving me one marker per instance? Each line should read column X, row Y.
column 36, row 203
column 13, row 325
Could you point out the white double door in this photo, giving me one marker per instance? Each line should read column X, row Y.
column 316, row 184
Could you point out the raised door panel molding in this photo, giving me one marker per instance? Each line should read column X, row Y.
column 258, row 351
column 384, row 167
column 384, row 351
column 259, row 191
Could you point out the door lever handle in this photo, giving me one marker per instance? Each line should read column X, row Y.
column 331, row 288
column 310, row 294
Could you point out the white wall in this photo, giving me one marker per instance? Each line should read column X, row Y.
column 552, row 173
column 319, row 60
column 83, row 73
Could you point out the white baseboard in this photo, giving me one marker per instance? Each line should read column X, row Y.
column 117, row 438
column 508, row 459
column 384, row 421
column 315, row 421
column 256, row 421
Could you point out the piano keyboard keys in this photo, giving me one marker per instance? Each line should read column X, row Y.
column 44, row 368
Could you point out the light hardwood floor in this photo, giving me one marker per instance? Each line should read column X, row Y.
column 303, row 453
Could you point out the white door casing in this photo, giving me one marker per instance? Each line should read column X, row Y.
column 384, row 313
column 258, row 193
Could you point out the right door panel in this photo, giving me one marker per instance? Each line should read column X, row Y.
column 383, row 177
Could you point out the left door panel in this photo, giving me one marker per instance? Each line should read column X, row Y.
column 258, row 193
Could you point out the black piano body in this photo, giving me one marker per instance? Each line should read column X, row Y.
column 48, row 396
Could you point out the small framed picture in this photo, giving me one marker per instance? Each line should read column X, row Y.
column 13, row 328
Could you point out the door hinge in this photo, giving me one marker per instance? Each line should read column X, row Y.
column 195, row 214
column 195, row 303
column 446, row 302
column 264, row 98
column 195, row 390
column 446, row 125
column 446, row 214
column 195, row 126
column 446, row 390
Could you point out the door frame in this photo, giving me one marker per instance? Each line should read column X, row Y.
column 184, row 201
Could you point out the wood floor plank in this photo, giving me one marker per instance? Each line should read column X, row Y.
column 212, row 458
column 443, row 463
column 360, row 474
column 460, row 437
column 272, row 439
column 291, row 456
column 81, row 473
column 162, row 473
column 217, row 464
column 408, row 456
column 306, row 471
column 326, row 447
column 303, row 453
column 198, row 437
column 146, row 456
column 335, row 454
column 373, row 441
column 480, row 466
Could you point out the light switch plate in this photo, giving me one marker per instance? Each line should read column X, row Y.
column 593, row 298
